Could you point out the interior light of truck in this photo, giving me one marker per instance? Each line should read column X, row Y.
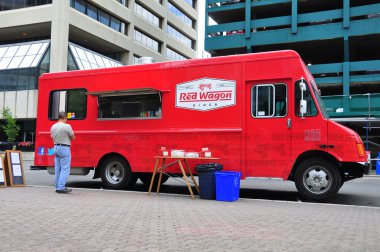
column 361, row 150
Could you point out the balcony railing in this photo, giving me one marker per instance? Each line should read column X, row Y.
column 360, row 105
column 315, row 25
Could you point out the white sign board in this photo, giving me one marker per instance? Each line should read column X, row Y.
column 206, row 94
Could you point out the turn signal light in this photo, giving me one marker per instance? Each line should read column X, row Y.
column 361, row 150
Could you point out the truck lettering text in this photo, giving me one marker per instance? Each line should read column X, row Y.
column 205, row 96
column 188, row 96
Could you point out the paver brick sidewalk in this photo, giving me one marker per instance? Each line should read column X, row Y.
column 38, row 219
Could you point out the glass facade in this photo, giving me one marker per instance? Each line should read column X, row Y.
column 173, row 55
column 101, row 16
column 179, row 14
column 21, row 64
column 147, row 15
column 83, row 59
column 18, row 4
column 179, row 36
column 136, row 59
column 147, row 41
column 190, row 2
column 22, row 55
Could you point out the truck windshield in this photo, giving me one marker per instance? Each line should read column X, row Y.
column 319, row 99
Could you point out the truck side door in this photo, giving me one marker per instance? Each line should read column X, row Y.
column 268, row 133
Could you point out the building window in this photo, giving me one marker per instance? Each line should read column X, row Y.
column 121, row 1
column 71, row 64
column 179, row 36
column 97, row 14
column 73, row 102
column 179, row 14
column 174, row 55
column 191, row 2
column 92, row 12
column 147, row 15
column 22, row 56
column 269, row 101
column 79, row 5
column 17, row 4
column 21, row 64
column 147, row 41
column 87, row 59
column 130, row 106
column 136, row 59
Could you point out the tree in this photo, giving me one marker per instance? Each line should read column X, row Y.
column 10, row 127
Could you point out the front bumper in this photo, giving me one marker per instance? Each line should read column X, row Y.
column 353, row 170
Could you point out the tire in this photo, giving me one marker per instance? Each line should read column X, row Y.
column 317, row 179
column 146, row 178
column 116, row 173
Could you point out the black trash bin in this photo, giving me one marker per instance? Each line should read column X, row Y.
column 206, row 174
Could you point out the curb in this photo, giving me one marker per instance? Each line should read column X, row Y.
column 372, row 176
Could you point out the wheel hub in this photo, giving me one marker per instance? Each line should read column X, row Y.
column 317, row 180
column 114, row 172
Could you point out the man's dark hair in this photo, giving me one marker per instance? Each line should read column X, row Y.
column 62, row 115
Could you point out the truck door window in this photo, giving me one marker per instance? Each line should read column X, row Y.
column 73, row 102
column 311, row 108
column 269, row 101
column 130, row 106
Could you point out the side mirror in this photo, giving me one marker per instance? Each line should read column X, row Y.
column 303, row 103
column 302, row 86
column 303, row 107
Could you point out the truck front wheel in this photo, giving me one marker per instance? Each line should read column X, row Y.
column 317, row 179
column 116, row 173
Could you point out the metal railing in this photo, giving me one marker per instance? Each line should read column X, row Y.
column 364, row 105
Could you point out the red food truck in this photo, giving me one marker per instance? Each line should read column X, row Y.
column 261, row 114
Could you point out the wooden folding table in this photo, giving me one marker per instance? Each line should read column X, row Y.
column 184, row 169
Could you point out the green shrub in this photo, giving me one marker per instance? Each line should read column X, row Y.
column 11, row 129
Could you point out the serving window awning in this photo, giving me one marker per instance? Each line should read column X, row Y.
column 136, row 91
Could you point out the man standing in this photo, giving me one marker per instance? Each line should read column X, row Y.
column 62, row 134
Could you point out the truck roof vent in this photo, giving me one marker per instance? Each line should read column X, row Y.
column 146, row 60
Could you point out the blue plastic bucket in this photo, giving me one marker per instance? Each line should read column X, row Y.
column 227, row 186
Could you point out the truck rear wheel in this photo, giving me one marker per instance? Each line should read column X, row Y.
column 317, row 179
column 116, row 173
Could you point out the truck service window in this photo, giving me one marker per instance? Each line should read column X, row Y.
column 73, row 102
column 311, row 108
column 269, row 100
column 130, row 106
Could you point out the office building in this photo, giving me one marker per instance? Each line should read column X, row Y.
column 39, row 36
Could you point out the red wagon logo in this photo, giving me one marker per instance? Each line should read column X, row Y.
column 206, row 94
